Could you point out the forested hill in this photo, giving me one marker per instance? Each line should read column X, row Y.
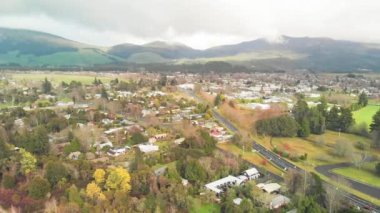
column 24, row 49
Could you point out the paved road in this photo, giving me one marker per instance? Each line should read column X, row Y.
column 224, row 121
column 367, row 189
column 285, row 165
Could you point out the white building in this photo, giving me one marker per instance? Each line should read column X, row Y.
column 147, row 148
column 218, row 186
column 252, row 173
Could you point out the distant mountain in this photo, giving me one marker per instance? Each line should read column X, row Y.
column 25, row 48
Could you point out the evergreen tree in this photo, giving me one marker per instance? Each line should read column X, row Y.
column 345, row 119
column 104, row 93
column 363, row 99
column 375, row 125
column 322, row 106
column 46, row 86
column 317, row 121
column 332, row 119
column 304, row 128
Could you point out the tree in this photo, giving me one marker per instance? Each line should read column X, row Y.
column 8, row 181
column 304, row 128
column 332, row 119
column 317, row 121
column 300, row 110
column 27, row 161
column 99, row 176
column 218, row 99
column 73, row 195
column 118, row 179
column 46, row 86
column 104, row 93
column 322, row 106
column 163, row 81
column 38, row 188
column 345, row 120
column 363, row 99
column 378, row 169
column 375, row 125
column 4, row 150
column 282, row 126
column 94, row 192
column 307, row 204
column 55, row 172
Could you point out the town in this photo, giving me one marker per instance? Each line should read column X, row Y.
column 187, row 142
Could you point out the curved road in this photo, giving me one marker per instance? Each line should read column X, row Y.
column 367, row 189
column 285, row 165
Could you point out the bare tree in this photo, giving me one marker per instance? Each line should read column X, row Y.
column 335, row 195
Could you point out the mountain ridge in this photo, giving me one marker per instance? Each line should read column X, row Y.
column 28, row 48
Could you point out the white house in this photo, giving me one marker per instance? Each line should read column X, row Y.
column 118, row 151
column 252, row 173
column 220, row 185
column 147, row 148
column 270, row 187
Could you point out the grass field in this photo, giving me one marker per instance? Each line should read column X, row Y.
column 365, row 114
column 365, row 175
column 198, row 207
column 252, row 157
column 58, row 78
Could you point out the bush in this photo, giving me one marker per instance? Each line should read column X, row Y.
column 55, row 171
column 360, row 145
column 38, row 188
column 9, row 182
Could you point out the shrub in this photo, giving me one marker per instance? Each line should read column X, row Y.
column 55, row 171
column 38, row 188
column 8, row 182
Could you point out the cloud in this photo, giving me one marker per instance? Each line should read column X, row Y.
column 197, row 23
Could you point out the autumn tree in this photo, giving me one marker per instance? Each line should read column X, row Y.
column 94, row 192
column 27, row 161
column 99, row 176
column 118, row 179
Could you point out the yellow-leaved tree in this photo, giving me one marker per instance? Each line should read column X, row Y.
column 27, row 161
column 118, row 179
column 93, row 191
column 99, row 176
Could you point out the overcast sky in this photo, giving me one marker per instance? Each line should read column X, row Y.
column 197, row 23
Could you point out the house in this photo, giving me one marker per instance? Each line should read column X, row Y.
column 270, row 187
column 104, row 144
column 179, row 141
column 252, row 173
column 221, row 185
column 160, row 136
column 118, row 151
column 147, row 148
column 74, row 155
column 278, row 201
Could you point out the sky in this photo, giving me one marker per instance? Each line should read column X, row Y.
column 197, row 23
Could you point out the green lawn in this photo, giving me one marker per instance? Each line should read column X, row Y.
column 198, row 207
column 365, row 175
column 365, row 114
column 58, row 78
